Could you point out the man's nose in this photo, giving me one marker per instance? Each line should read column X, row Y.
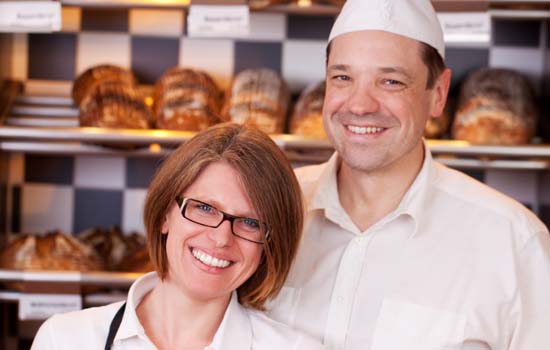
column 362, row 100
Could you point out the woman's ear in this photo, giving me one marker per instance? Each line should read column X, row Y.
column 164, row 228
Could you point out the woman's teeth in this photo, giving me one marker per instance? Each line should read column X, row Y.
column 210, row 260
column 362, row 130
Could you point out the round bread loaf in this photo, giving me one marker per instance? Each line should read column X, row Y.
column 86, row 81
column 115, row 104
column 497, row 107
column 53, row 251
column 137, row 261
column 186, row 99
column 259, row 97
column 307, row 119
column 109, row 244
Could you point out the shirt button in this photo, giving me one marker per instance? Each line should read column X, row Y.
column 340, row 299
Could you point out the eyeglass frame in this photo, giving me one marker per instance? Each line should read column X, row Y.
column 182, row 203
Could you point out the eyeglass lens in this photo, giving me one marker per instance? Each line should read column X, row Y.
column 208, row 215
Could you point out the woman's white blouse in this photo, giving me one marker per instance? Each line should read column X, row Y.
column 241, row 328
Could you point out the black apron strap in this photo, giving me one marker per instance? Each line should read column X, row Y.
column 113, row 328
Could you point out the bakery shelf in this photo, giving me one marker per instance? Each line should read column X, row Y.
column 99, row 278
column 49, row 125
column 303, row 7
column 128, row 3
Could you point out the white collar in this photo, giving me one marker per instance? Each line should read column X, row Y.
column 234, row 333
column 325, row 195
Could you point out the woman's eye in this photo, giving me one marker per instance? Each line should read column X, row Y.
column 205, row 208
column 251, row 223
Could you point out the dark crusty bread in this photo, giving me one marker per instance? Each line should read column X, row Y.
column 86, row 81
column 186, row 99
column 496, row 106
column 114, row 104
column 307, row 118
column 52, row 251
column 137, row 261
column 259, row 97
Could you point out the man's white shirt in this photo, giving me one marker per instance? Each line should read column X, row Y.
column 456, row 266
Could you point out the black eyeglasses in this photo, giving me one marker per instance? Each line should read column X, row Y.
column 207, row 215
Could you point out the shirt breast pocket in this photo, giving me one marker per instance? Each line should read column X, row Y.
column 283, row 307
column 403, row 325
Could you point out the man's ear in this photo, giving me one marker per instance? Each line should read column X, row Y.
column 440, row 92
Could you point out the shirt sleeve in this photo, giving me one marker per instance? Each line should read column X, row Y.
column 532, row 330
column 44, row 339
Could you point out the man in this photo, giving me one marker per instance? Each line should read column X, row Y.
column 399, row 252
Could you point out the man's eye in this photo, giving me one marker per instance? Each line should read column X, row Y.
column 392, row 82
column 341, row 77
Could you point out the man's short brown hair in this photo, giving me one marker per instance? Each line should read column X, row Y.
column 431, row 58
column 271, row 186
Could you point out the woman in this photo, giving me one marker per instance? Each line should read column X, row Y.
column 223, row 217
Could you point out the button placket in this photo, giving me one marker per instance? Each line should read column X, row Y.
column 346, row 284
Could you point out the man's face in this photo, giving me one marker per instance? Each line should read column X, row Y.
column 376, row 103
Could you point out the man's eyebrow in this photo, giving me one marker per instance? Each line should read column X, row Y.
column 338, row 67
column 395, row 70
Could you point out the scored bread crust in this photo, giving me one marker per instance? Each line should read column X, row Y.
column 186, row 99
column 258, row 97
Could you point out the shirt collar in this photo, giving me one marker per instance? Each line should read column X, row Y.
column 130, row 325
column 325, row 195
column 234, row 333
column 413, row 202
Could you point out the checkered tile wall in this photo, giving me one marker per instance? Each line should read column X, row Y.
column 73, row 193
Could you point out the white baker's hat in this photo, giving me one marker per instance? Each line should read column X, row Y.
column 415, row 19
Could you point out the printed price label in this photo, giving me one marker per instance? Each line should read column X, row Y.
column 42, row 306
column 30, row 16
column 466, row 27
column 218, row 21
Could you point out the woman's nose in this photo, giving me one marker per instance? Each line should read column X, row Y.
column 222, row 235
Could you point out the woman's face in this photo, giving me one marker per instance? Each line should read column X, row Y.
column 208, row 263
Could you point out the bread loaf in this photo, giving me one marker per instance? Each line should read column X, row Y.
column 114, row 104
column 307, row 118
column 186, row 99
column 86, row 81
column 259, row 97
column 53, row 251
column 497, row 107
column 137, row 261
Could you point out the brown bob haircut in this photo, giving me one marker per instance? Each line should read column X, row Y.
column 429, row 55
column 271, row 186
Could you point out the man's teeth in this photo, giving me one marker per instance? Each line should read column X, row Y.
column 210, row 260
column 364, row 129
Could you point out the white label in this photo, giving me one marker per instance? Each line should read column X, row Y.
column 218, row 21
column 42, row 306
column 462, row 27
column 30, row 16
